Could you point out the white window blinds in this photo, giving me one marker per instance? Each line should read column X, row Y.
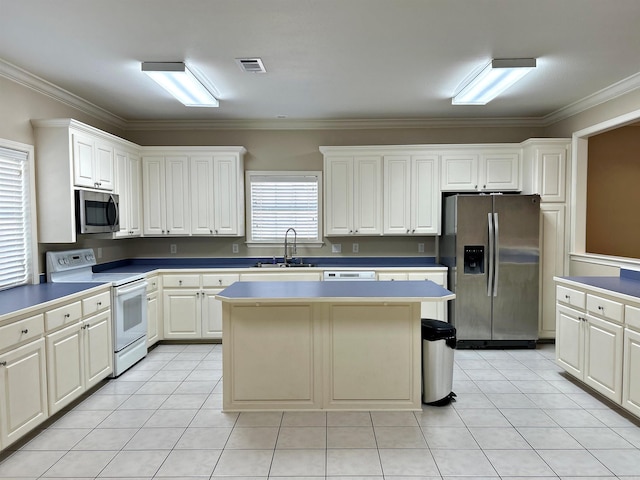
column 15, row 231
column 279, row 201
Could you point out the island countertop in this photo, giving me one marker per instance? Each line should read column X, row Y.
column 342, row 291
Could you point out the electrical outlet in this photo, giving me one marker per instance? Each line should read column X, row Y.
column 421, row 248
column 99, row 252
column 235, row 248
column 173, row 248
column 336, row 248
column 355, row 248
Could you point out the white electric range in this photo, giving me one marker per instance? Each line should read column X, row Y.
column 128, row 299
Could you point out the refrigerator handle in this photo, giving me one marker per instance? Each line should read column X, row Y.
column 496, row 246
column 491, row 261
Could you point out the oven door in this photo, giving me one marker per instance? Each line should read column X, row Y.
column 130, row 314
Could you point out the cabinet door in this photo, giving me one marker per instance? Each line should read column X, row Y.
column 631, row 372
column 211, row 314
column 121, row 187
column 227, row 198
column 98, row 349
column 134, row 195
column 570, row 341
column 367, row 201
column 552, row 243
column 397, row 195
column 603, row 357
column 65, row 367
column 153, row 319
column 552, row 171
column 23, row 391
column 182, row 310
column 425, row 196
column 202, row 195
column 338, row 195
column 501, row 171
column 103, row 166
column 153, row 191
column 459, row 172
column 83, row 161
column 177, row 199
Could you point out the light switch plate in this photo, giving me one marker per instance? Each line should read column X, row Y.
column 421, row 248
column 235, row 248
column 336, row 248
column 173, row 248
column 355, row 247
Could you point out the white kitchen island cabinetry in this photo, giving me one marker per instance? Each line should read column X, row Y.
column 357, row 345
column 79, row 348
column 23, row 378
column 481, row 168
column 352, row 193
column 411, row 193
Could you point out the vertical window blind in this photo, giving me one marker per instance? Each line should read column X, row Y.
column 279, row 202
column 15, row 222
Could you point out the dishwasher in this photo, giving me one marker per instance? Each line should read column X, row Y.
column 349, row 275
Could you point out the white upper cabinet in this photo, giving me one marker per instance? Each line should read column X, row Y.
column 92, row 162
column 129, row 188
column 545, row 168
column 411, row 195
column 353, row 194
column 481, row 169
column 70, row 155
column 193, row 191
column 166, row 200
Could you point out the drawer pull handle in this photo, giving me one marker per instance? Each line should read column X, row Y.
column 67, row 315
column 3, row 364
column 568, row 297
column 25, row 331
column 220, row 281
column 179, row 282
column 99, row 303
column 601, row 308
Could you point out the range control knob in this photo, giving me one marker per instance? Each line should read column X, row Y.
column 61, row 261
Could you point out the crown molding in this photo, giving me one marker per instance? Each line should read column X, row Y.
column 611, row 92
column 332, row 124
column 29, row 80
column 42, row 86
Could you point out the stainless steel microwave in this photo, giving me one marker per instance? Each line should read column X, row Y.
column 97, row 212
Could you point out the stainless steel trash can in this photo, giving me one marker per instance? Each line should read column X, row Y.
column 438, row 344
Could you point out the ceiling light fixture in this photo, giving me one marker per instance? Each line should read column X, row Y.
column 179, row 81
column 492, row 80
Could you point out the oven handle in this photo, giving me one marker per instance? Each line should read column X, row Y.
column 124, row 290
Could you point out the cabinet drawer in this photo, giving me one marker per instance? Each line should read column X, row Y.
column 96, row 303
column 437, row 278
column 632, row 316
column 219, row 280
column 605, row 308
column 63, row 315
column 177, row 281
column 20, row 331
column 391, row 276
column 153, row 283
column 572, row 297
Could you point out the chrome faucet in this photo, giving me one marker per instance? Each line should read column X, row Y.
column 287, row 257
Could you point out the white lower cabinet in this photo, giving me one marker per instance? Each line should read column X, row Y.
column 433, row 310
column 154, row 311
column 631, row 371
column 190, row 309
column 592, row 342
column 78, row 357
column 23, row 391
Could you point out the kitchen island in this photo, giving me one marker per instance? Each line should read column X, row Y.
column 324, row 345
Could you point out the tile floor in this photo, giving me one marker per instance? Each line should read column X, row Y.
column 516, row 416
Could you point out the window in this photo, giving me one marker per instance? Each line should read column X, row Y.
column 281, row 200
column 17, row 243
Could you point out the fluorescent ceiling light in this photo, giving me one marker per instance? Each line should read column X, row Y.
column 492, row 80
column 180, row 82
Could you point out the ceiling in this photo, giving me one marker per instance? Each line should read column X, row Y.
column 326, row 60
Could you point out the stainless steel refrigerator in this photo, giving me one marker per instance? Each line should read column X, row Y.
column 491, row 245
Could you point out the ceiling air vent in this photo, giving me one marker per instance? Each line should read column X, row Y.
column 251, row 65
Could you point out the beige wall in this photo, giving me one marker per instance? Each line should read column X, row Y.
column 274, row 150
column 613, row 196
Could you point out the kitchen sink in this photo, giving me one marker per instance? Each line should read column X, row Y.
column 284, row 265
